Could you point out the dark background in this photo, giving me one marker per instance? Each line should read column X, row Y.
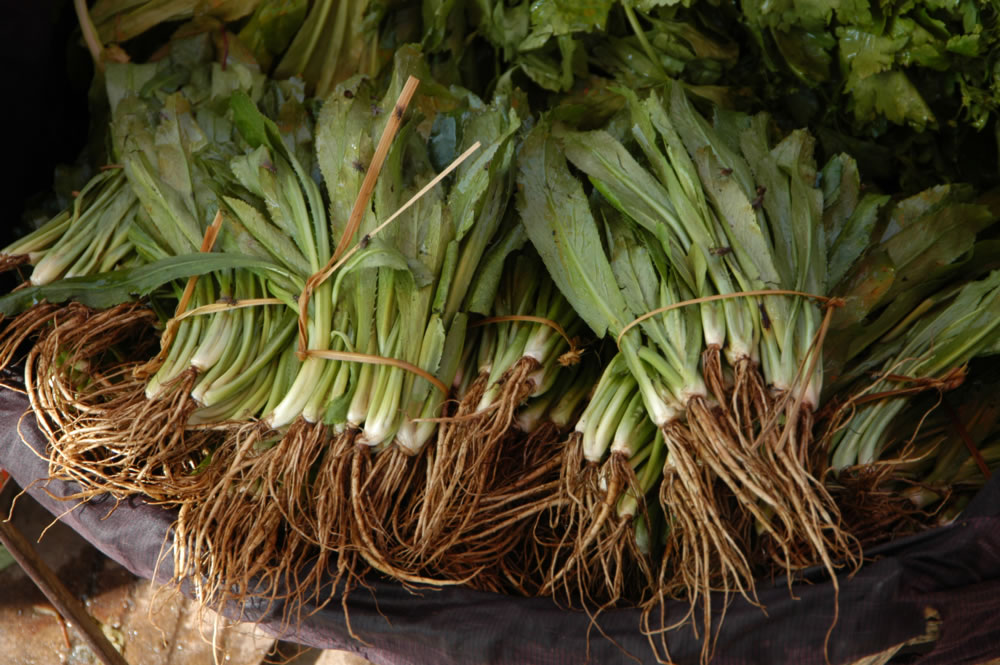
column 46, row 74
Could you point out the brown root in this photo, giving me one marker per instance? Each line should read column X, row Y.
column 580, row 493
column 11, row 261
column 495, row 532
column 872, row 511
column 595, row 562
column 774, row 445
column 105, row 434
column 379, row 483
column 466, row 462
column 22, row 327
column 445, row 472
column 741, row 465
column 262, row 530
column 590, row 508
column 815, row 527
column 706, row 545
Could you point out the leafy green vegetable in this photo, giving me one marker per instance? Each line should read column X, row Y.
column 108, row 289
column 942, row 341
column 559, row 222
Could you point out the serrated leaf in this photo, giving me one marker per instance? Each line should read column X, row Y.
column 855, row 237
column 276, row 242
column 558, row 220
column 344, row 149
column 623, row 181
column 113, row 288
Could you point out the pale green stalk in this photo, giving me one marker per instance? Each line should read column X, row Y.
column 942, row 340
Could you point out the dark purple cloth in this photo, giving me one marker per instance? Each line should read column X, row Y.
column 953, row 569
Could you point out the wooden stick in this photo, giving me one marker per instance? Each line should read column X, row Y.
column 62, row 600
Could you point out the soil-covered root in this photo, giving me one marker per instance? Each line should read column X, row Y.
column 491, row 424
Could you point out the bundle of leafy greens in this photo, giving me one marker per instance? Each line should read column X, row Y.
column 226, row 196
column 570, row 318
column 695, row 236
column 934, row 456
column 907, row 88
column 921, row 64
column 934, row 348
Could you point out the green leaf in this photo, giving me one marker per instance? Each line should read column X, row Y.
column 557, row 217
column 436, row 14
column 431, row 352
column 443, row 142
column 551, row 68
column 957, row 334
column 272, row 28
column 483, row 290
column 806, row 52
column 841, row 185
column 5, row 558
column 776, row 202
column 344, row 149
column 890, row 94
column 935, row 239
column 378, row 254
column 251, row 123
column 272, row 239
column 479, row 197
column 564, row 17
column 494, row 127
column 623, row 181
column 451, row 355
column 633, row 268
column 236, row 77
column 740, row 220
column 124, row 80
column 504, row 26
column 794, row 156
column 113, row 288
column 855, row 237
column 866, row 53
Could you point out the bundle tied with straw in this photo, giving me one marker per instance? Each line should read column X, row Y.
column 694, row 240
column 373, row 375
column 277, row 448
column 342, row 336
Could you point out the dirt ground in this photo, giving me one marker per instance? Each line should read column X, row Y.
column 147, row 624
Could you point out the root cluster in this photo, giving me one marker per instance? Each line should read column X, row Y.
column 299, row 517
column 742, row 500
